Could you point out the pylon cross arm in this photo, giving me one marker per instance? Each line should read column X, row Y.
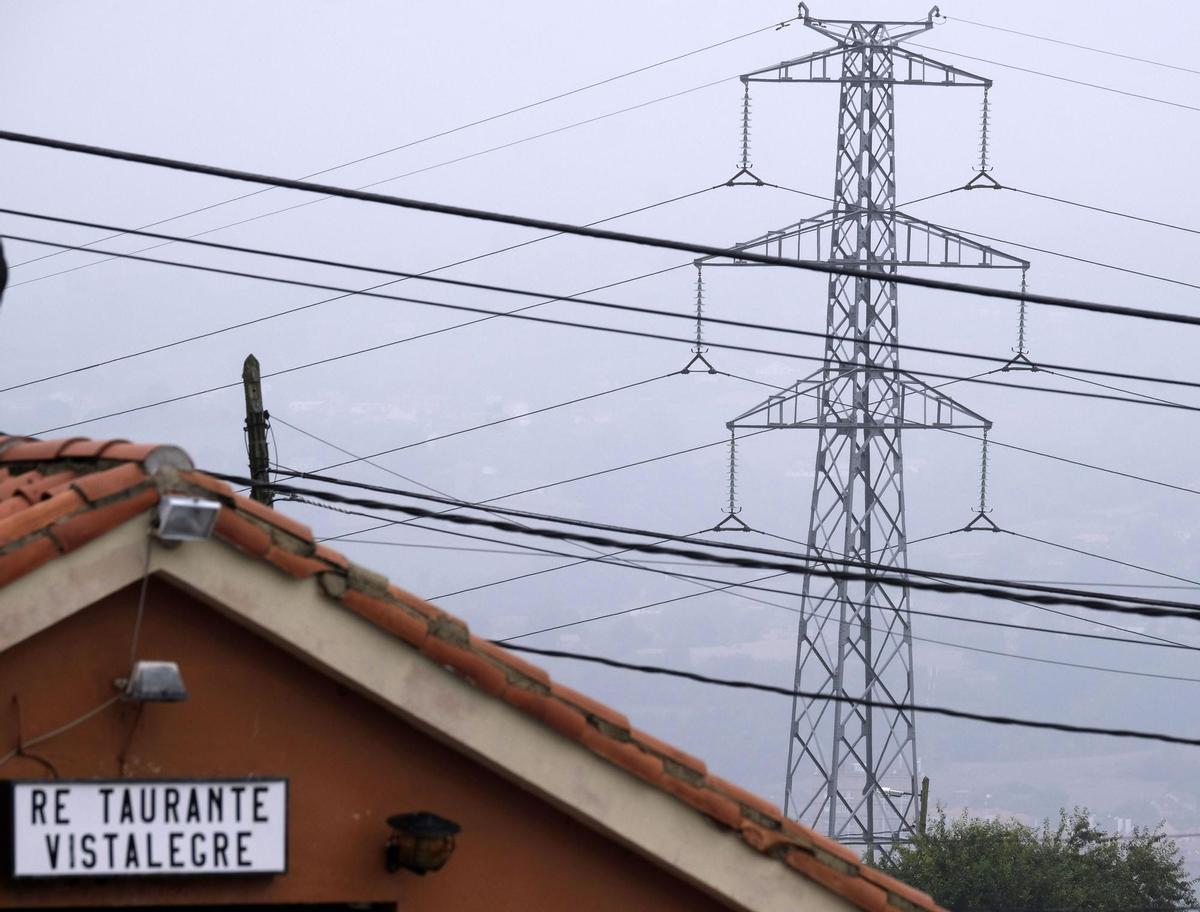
column 903, row 403
column 916, row 242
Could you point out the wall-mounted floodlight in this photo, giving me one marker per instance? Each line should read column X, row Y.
column 183, row 518
column 154, row 682
column 420, row 842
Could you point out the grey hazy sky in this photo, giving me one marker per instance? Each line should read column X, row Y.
column 292, row 88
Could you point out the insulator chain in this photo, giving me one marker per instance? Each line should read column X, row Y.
column 1022, row 348
column 984, row 165
column 734, row 509
column 699, row 348
column 983, row 473
column 746, row 164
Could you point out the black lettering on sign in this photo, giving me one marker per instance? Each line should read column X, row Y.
column 243, row 850
column 106, row 793
column 260, row 812
column 52, row 851
column 37, row 806
column 131, row 855
column 126, row 806
column 198, row 858
column 71, row 851
column 171, row 805
column 60, row 806
column 220, row 845
column 87, row 849
column 150, row 862
column 216, row 804
column 174, row 852
column 148, row 802
column 111, row 839
column 237, row 802
column 193, row 812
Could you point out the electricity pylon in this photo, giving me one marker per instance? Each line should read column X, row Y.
column 852, row 770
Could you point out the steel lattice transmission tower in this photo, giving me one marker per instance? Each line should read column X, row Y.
column 852, row 771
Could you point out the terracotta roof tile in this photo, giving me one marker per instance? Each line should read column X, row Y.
column 245, row 534
column 36, row 450
column 272, row 517
column 695, row 764
column 80, row 528
column 16, row 563
column 42, row 485
column 10, row 485
column 69, row 492
column 128, row 452
column 514, row 662
column 107, row 482
column 592, row 707
column 35, row 518
column 86, row 449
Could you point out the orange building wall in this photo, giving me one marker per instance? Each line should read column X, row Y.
column 255, row 710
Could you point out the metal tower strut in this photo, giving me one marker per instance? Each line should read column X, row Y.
column 852, row 771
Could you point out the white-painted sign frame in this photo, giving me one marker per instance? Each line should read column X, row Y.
column 147, row 827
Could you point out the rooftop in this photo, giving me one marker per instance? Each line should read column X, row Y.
column 58, row 495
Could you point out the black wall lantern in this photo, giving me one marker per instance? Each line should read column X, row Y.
column 420, row 842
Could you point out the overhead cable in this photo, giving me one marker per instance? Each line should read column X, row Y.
column 503, row 289
column 820, row 567
column 1060, row 78
column 412, row 173
column 1072, row 44
column 594, row 233
column 1102, row 209
column 989, row 718
column 461, row 127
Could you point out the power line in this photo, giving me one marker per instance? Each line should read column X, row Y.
column 1102, row 209
column 934, row 581
column 1078, row 82
column 507, row 145
column 508, row 289
column 517, row 315
column 422, row 275
column 1076, row 462
column 452, row 130
column 869, row 704
column 724, row 585
column 487, row 424
column 1010, row 625
column 1092, row 554
column 1082, row 47
column 594, row 233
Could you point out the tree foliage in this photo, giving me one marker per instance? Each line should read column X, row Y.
column 973, row 865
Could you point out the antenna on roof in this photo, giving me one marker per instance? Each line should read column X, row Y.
column 257, row 425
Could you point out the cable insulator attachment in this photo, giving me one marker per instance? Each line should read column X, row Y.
column 983, row 472
column 744, row 176
column 984, row 167
column 698, row 350
column 982, row 179
column 746, row 165
column 1021, row 349
column 733, row 507
column 731, row 521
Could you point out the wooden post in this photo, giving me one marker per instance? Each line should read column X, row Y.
column 256, row 433
column 923, row 805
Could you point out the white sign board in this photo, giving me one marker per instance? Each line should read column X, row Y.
column 124, row 828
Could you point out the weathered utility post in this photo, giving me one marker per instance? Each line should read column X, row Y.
column 923, row 806
column 256, row 432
